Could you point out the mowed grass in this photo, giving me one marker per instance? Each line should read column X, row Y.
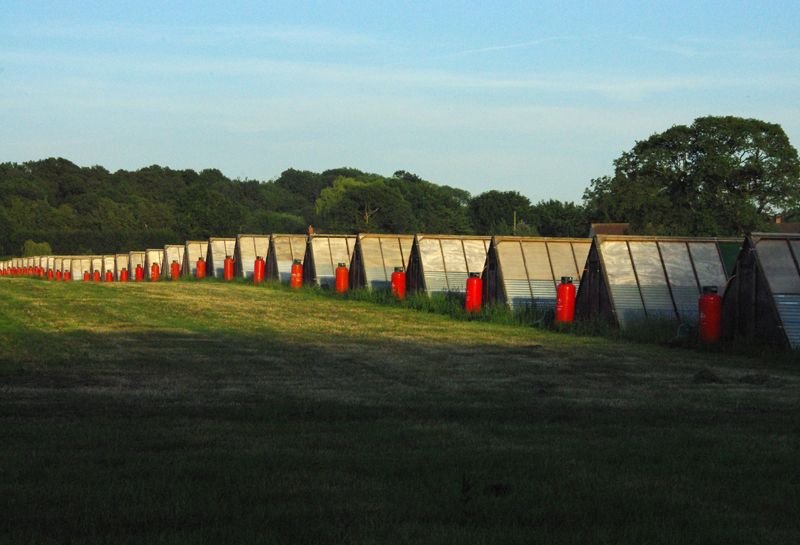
column 197, row 412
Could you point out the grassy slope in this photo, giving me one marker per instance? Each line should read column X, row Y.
column 210, row 413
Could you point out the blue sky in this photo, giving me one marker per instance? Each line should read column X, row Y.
column 534, row 97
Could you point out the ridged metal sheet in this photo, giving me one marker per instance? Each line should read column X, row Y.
column 652, row 280
column 778, row 266
column 79, row 266
column 108, row 265
column 544, row 293
column 628, row 304
column 248, row 248
column 218, row 250
column 287, row 249
column 518, row 293
column 192, row 252
column 375, row 275
column 457, row 281
column 789, row 310
column 153, row 257
column 435, row 282
column 622, row 282
column 657, row 301
column 709, row 266
column 328, row 252
column 686, row 298
column 134, row 259
column 120, row 262
column 172, row 252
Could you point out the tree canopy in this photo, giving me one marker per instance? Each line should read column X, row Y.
column 718, row 176
column 91, row 210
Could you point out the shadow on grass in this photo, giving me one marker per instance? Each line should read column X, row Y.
column 189, row 437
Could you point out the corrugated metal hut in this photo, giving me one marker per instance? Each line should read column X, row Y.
column 322, row 257
column 153, row 256
column 121, row 262
column 628, row 279
column 442, row 263
column 192, row 251
column 248, row 248
column 283, row 250
column 375, row 258
column 97, row 264
column 172, row 253
column 135, row 259
column 218, row 249
column 80, row 265
column 762, row 302
column 524, row 271
column 66, row 265
column 109, row 265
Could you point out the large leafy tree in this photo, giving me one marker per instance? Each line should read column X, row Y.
column 560, row 219
column 367, row 204
column 437, row 208
column 719, row 176
column 493, row 213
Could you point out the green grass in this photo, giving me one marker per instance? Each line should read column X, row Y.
column 199, row 412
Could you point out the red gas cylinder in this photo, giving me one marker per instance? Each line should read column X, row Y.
column 474, row 292
column 87, row 277
column 227, row 269
column 96, row 276
column 565, row 301
column 710, row 306
column 296, row 279
column 109, row 276
column 399, row 283
column 201, row 268
column 175, row 270
column 58, row 276
column 258, row 270
column 41, row 272
column 123, row 275
column 138, row 275
column 342, row 278
column 155, row 272
column 67, row 276
column 50, row 274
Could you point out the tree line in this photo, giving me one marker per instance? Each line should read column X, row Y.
column 719, row 176
column 85, row 210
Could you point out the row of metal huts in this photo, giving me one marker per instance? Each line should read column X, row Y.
column 621, row 279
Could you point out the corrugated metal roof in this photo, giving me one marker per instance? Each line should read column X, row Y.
column 445, row 261
column 248, row 248
column 328, row 251
column 379, row 255
column 660, row 277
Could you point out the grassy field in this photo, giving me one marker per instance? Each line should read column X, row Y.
column 208, row 413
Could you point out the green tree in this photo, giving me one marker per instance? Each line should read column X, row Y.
column 437, row 208
column 493, row 212
column 31, row 248
column 365, row 205
column 560, row 219
column 719, row 176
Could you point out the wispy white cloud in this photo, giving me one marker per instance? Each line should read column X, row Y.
column 196, row 35
column 380, row 79
column 698, row 47
column 520, row 45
